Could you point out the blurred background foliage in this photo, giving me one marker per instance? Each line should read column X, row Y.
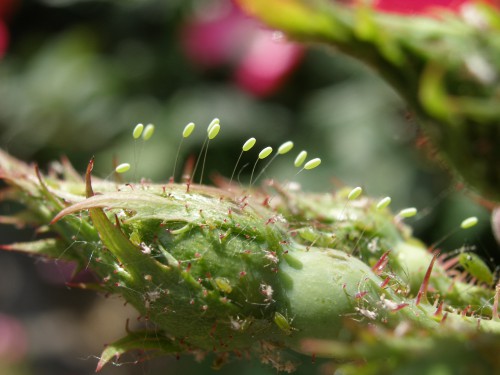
column 77, row 75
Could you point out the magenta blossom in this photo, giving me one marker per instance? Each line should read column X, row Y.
column 225, row 36
column 4, row 38
column 13, row 339
column 422, row 6
column 7, row 7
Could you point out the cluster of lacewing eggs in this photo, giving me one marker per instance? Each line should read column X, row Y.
column 472, row 263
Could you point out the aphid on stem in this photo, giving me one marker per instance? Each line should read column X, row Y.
column 283, row 323
column 471, row 263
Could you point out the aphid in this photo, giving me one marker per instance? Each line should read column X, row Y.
column 283, row 323
column 223, row 285
column 476, row 267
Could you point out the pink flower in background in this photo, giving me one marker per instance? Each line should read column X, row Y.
column 13, row 339
column 266, row 63
column 422, row 6
column 7, row 7
column 4, row 38
column 223, row 35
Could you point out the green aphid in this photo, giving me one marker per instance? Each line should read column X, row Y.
column 476, row 267
column 318, row 238
column 223, row 285
column 283, row 323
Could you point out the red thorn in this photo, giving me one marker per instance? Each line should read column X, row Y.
column 466, row 310
column 444, row 318
column 360, row 294
column 381, row 263
column 439, row 309
column 88, row 179
column 271, row 220
column 266, row 201
column 385, row 282
column 425, row 283
column 213, row 329
column 39, row 176
column 399, row 307
column 127, row 327
column 117, row 222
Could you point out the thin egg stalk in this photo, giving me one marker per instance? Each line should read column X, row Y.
column 282, row 150
column 188, row 130
column 212, row 131
column 264, row 153
column 247, row 146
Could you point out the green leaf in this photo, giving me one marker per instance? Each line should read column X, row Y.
column 140, row 340
column 50, row 247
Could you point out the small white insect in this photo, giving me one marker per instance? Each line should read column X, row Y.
column 267, row 291
column 367, row 313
